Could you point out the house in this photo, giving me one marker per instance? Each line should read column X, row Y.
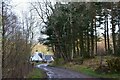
column 43, row 53
column 36, row 57
column 48, row 58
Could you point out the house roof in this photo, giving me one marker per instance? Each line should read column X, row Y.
column 36, row 57
column 48, row 57
column 40, row 54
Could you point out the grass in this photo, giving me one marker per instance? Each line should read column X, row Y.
column 88, row 67
column 91, row 72
column 37, row 73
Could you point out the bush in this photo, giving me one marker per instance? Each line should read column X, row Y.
column 114, row 64
column 78, row 60
column 59, row 61
column 102, row 69
column 118, row 52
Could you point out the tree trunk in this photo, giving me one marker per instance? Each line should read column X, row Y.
column 3, row 39
column 95, row 37
column 108, row 42
column 105, row 37
column 113, row 32
column 92, row 39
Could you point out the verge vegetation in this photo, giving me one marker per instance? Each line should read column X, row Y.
column 91, row 67
column 36, row 73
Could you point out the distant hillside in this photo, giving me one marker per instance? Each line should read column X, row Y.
column 41, row 48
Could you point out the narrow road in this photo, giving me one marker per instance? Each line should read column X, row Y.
column 55, row 72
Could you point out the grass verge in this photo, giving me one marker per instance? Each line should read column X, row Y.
column 88, row 67
column 37, row 73
column 91, row 72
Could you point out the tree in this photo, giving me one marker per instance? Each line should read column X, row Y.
column 73, row 28
column 14, row 53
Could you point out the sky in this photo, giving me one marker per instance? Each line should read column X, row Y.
column 19, row 5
